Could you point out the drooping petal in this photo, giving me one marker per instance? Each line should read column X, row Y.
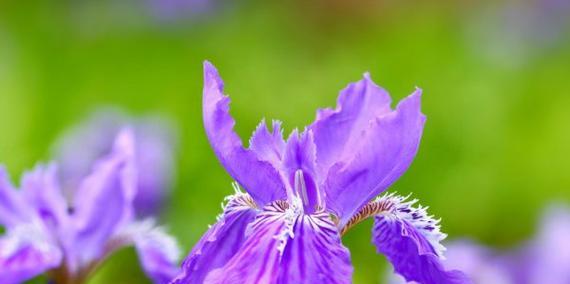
column 268, row 146
column 25, row 252
column 40, row 188
column 286, row 246
column 300, row 169
column 315, row 253
column 13, row 209
column 337, row 132
column 220, row 242
column 381, row 154
column 259, row 178
column 410, row 239
column 158, row 252
column 104, row 200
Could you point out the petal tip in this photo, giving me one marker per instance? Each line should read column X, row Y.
column 209, row 67
column 125, row 141
column 211, row 75
column 417, row 92
column 412, row 102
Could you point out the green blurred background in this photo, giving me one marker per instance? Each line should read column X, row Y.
column 496, row 144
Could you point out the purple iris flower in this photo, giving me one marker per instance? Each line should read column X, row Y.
column 301, row 195
column 155, row 148
column 544, row 259
column 68, row 237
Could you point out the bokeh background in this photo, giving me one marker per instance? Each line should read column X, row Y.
column 496, row 147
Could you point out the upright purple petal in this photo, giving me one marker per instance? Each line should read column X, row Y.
column 220, row 243
column 42, row 191
column 80, row 147
column 268, row 146
column 286, row 246
column 409, row 238
column 259, row 178
column 13, row 208
column 26, row 251
column 104, row 200
column 155, row 149
column 337, row 132
column 300, row 154
column 300, row 169
column 379, row 155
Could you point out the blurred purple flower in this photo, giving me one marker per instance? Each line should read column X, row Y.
column 69, row 237
column 304, row 193
column 174, row 9
column 537, row 23
column 514, row 31
column 155, row 148
column 545, row 259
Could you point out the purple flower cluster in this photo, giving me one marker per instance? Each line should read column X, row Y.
column 67, row 233
column 303, row 193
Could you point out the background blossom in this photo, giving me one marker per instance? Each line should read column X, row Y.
column 155, row 150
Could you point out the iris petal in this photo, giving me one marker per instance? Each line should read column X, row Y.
column 259, row 178
column 13, row 209
column 158, row 252
column 41, row 190
column 220, row 243
column 300, row 168
column 286, row 246
column 410, row 240
column 104, row 200
column 338, row 131
column 378, row 156
column 25, row 252
column 156, row 148
column 268, row 146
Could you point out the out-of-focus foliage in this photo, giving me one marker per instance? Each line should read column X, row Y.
column 495, row 148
